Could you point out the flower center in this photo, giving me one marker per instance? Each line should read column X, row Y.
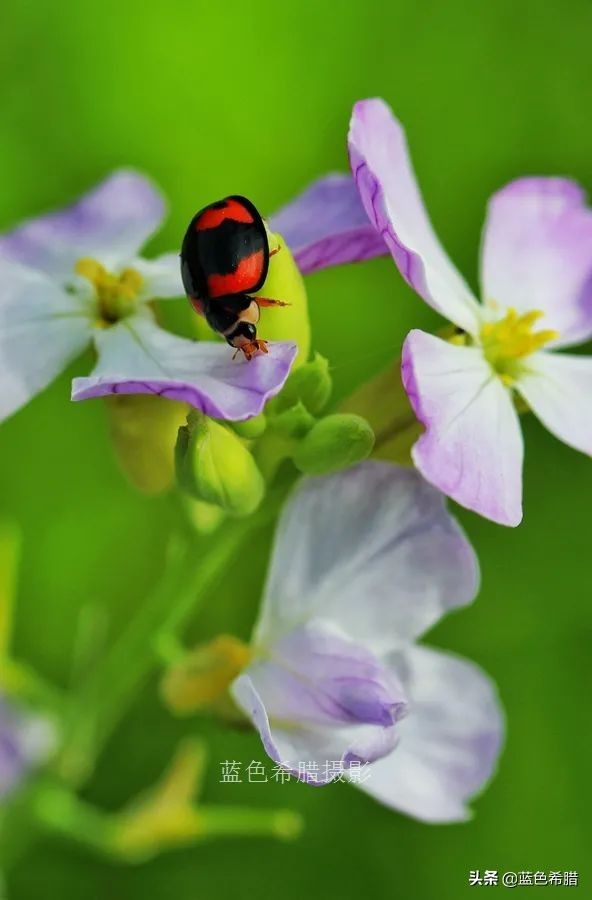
column 507, row 342
column 117, row 295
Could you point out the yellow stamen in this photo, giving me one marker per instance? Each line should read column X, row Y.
column 510, row 340
column 116, row 294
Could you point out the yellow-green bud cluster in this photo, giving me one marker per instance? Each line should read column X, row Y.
column 309, row 384
column 226, row 467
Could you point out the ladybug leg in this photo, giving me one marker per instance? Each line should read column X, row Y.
column 273, row 252
column 266, row 301
column 253, row 348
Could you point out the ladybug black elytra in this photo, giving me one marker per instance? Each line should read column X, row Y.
column 224, row 259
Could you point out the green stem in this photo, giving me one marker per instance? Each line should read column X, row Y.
column 9, row 561
column 24, row 682
column 19, row 830
column 221, row 821
column 61, row 812
column 100, row 703
column 396, row 427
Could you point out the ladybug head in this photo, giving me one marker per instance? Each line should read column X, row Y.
column 244, row 333
column 244, row 337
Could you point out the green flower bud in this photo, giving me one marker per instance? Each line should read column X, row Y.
column 281, row 439
column 295, row 422
column 204, row 517
column 284, row 282
column 143, row 431
column 335, row 442
column 251, row 429
column 384, row 403
column 214, row 465
column 311, row 384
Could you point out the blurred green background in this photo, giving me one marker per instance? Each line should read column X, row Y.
column 254, row 98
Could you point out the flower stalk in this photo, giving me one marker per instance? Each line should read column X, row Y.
column 100, row 703
column 9, row 557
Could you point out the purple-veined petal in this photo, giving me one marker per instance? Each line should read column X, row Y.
column 315, row 676
column 137, row 357
column 558, row 389
column 472, row 447
column 161, row 276
column 448, row 744
column 371, row 549
column 326, row 225
column 110, row 223
column 25, row 740
column 307, row 750
column 42, row 328
column 537, row 254
column 386, row 181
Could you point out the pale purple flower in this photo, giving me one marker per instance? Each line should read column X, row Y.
column 536, row 287
column 25, row 741
column 327, row 225
column 75, row 277
column 365, row 561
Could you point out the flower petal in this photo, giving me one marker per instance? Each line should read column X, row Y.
column 558, row 388
column 109, row 223
column 537, row 254
column 306, row 750
column 386, row 181
column 137, row 357
column 162, row 276
column 326, row 225
column 371, row 549
column 448, row 744
column 42, row 328
column 472, row 448
column 24, row 741
column 315, row 676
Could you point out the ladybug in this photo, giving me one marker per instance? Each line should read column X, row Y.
column 224, row 259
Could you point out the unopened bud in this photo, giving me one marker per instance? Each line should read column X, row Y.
column 295, row 422
column 215, row 466
column 206, row 518
column 335, row 442
column 143, row 431
column 203, row 676
column 310, row 384
column 251, row 429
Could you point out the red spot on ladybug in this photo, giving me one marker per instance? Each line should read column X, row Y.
column 243, row 280
column 231, row 209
